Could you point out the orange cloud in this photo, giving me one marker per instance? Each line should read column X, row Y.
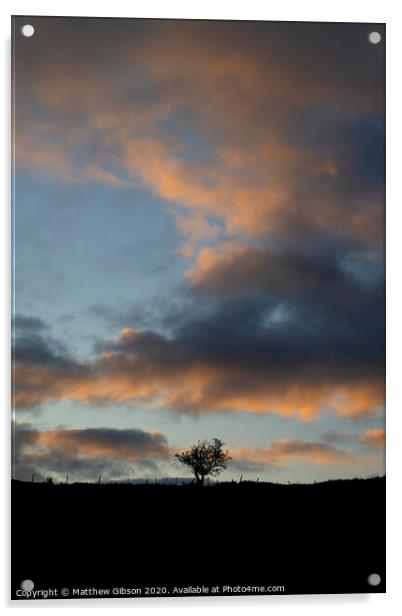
column 45, row 157
column 211, row 262
column 149, row 370
column 49, row 150
column 240, row 94
column 250, row 188
column 104, row 443
column 255, row 190
column 196, row 228
column 231, row 138
column 86, row 452
column 373, row 438
column 294, row 451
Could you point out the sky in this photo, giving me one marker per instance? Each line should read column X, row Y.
column 198, row 248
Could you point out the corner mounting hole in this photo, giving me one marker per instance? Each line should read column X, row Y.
column 374, row 38
column 27, row 30
column 374, row 579
column 27, row 585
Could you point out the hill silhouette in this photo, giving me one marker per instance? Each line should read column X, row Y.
column 311, row 538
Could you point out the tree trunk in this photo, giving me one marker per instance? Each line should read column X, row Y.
column 199, row 479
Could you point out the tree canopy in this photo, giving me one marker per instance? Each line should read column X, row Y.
column 205, row 458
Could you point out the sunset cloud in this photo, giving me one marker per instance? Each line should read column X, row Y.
column 294, row 451
column 106, row 442
column 373, row 438
column 195, row 373
column 206, row 201
column 86, row 451
column 232, row 268
column 262, row 169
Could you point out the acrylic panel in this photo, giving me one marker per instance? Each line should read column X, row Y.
column 198, row 319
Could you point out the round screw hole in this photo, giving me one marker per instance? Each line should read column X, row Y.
column 27, row 585
column 374, row 579
column 374, row 38
column 27, row 30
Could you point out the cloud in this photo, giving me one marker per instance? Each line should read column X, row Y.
column 269, row 156
column 216, row 362
column 336, row 436
column 373, row 438
column 197, row 229
column 35, row 350
column 289, row 272
column 261, row 128
column 106, row 442
column 293, row 331
column 246, row 466
column 28, row 323
column 86, row 453
column 207, row 189
column 289, row 451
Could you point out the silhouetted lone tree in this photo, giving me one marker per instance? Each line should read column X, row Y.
column 205, row 458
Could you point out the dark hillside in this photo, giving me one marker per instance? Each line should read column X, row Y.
column 313, row 538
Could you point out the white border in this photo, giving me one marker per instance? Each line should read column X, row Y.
column 388, row 11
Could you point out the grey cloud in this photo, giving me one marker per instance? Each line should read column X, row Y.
column 30, row 324
column 84, row 454
column 245, row 466
column 336, row 436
